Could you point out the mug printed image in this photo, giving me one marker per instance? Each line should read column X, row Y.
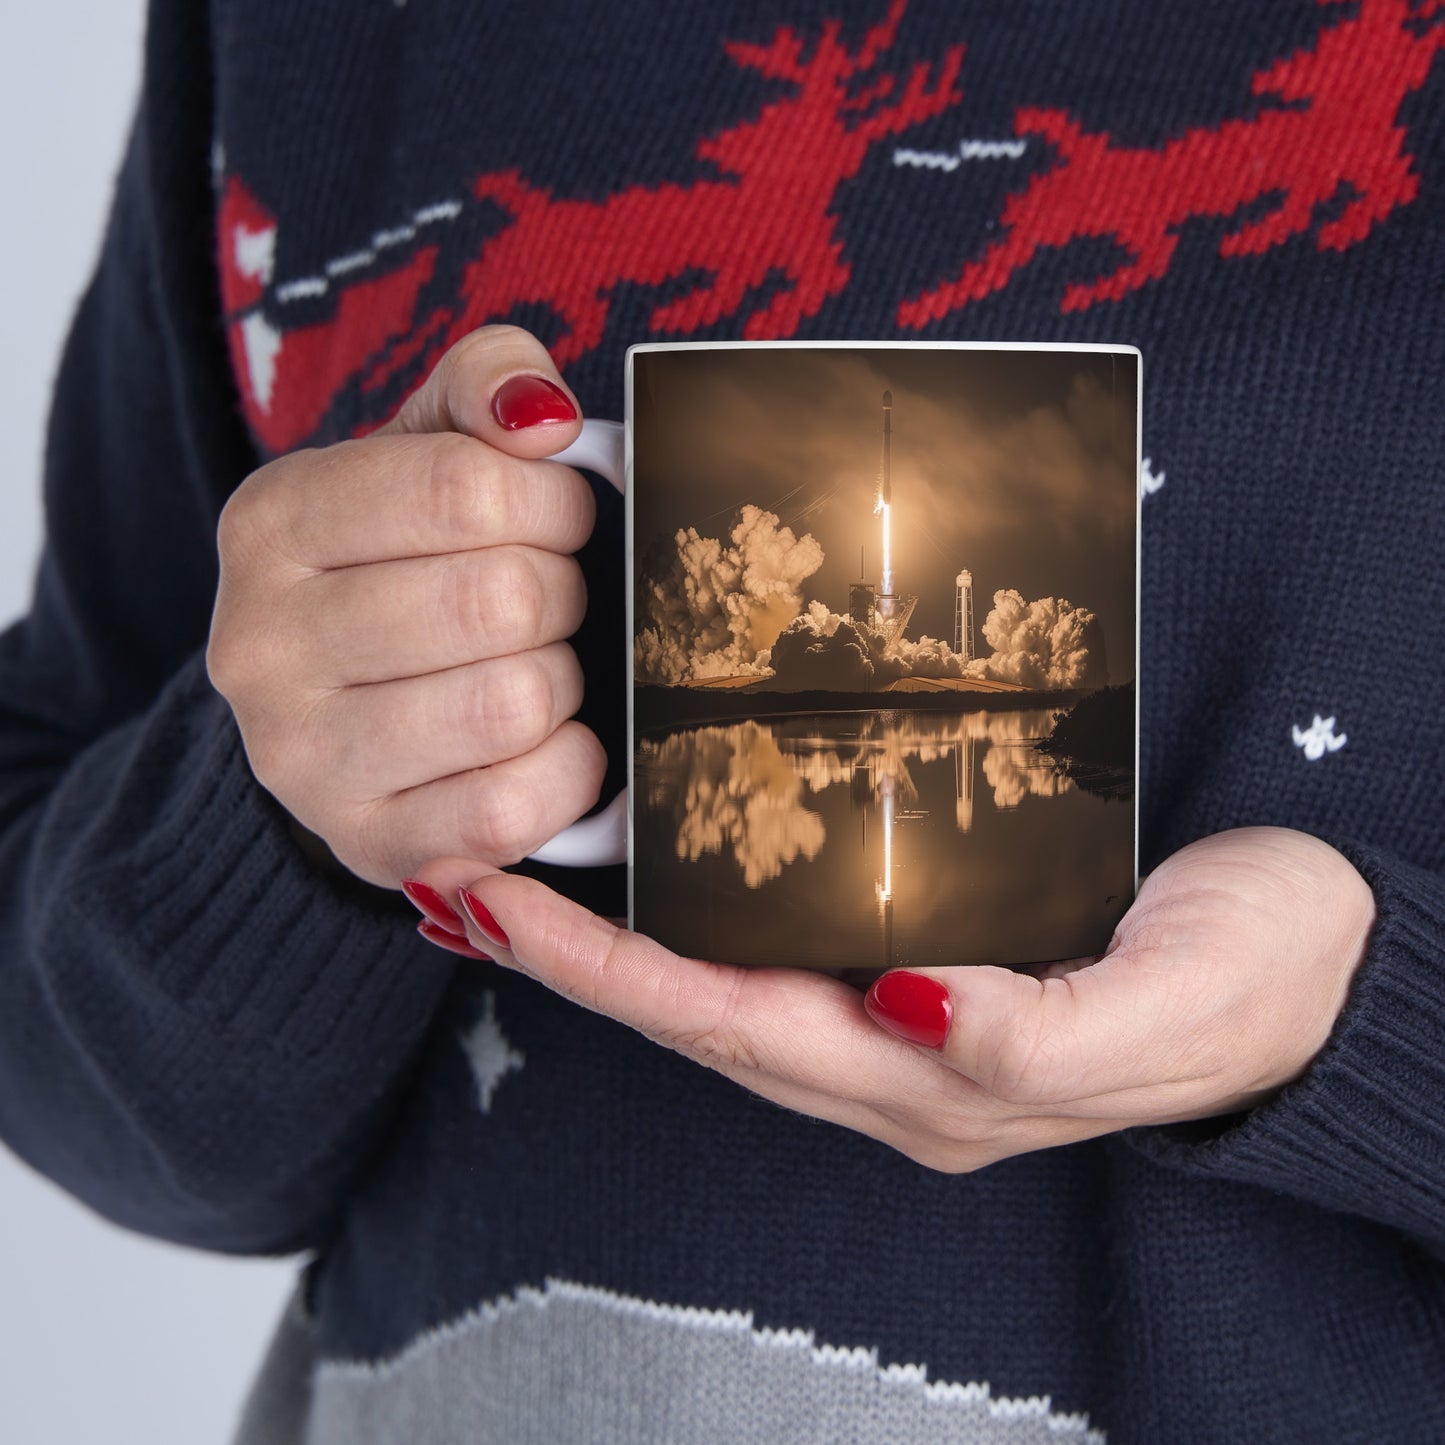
column 884, row 647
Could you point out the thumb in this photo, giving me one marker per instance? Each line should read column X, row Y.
column 498, row 385
column 1028, row 1041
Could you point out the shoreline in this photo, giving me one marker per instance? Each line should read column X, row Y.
column 665, row 709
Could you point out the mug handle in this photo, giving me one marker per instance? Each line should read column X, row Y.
column 602, row 838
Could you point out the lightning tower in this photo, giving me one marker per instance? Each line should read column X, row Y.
column 963, row 617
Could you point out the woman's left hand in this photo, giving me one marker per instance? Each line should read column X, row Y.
column 1221, row 984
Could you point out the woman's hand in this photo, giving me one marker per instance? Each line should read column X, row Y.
column 1221, row 984
column 390, row 623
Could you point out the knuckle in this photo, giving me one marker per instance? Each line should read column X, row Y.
column 222, row 664
column 450, row 377
column 511, row 709
column 503, row 818
column 1020, row 1061
column 566, row 509
column 240, row 525
column 472, row 490
column 450, row 485
column 528, row 702
column 571, row 593
column 367, row 843
column 467, row 370
column 253, row 649
column 269, row 755
column 233, row 661
column 720, row 1045
column 513, row 604
column 498, row 336
column 566, row 682
column 481, row 601
column 587, row 765
column 255, row 515
column 594, row 987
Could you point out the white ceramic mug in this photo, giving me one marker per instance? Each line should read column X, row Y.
column 864, row 581
column 602, row 838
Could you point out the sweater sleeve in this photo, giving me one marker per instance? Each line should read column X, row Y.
column 200, row 1036
column 1362, row 1132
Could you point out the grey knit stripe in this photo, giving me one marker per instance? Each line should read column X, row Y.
column 572, row 1363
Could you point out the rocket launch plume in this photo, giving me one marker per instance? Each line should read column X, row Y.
column 885, row 494
column 710, row 608
column 1048, row 643
column 1044, row 644
column 714, row 608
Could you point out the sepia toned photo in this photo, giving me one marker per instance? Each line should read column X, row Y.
column 884, row 649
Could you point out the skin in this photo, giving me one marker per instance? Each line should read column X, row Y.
column 389, row 632
column 390, row 627
column 1222, row 983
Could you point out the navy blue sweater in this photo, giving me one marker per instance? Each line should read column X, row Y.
column 529, row 1223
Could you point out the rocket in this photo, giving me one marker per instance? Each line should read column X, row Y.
column 887, row 494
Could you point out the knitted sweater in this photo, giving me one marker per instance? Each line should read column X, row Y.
column 527, row 1222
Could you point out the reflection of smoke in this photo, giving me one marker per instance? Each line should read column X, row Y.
column 711, row 608
column 1013, row 777
column 1041, row 644
column 886, row 746
column 730, row 788
column 740, row 789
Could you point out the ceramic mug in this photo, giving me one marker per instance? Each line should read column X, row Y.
column 867, row 582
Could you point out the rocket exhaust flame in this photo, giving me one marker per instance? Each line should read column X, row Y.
column 885, row 493
column 887, row 551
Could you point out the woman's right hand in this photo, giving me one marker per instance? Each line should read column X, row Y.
column 389, row 627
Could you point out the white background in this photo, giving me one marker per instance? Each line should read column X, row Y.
column 104, row 1336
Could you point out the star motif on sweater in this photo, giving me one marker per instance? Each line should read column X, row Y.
column 1319, row 738
column 489, row 1052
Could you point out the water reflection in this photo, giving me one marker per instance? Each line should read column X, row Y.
column 874, row 838
column 731, row 790
column 740, row 789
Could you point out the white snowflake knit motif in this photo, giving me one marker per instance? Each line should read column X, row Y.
column 489, row 1052
column 1319, row 738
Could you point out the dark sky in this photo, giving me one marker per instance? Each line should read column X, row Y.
column 1017, row 465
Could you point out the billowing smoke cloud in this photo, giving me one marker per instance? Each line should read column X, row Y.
column 711, row 608
column 821, row 649
column 1048, row 643
column 1044, row 644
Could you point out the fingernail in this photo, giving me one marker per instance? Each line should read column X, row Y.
column 481, row 916
column 524, row 401
column 434, row 906
column 450, row 941
column 915, row 1008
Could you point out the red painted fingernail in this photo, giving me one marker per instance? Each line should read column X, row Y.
column 524, row 401
column 434, row 906
column 913, row 1007
column 450, row 941
column 480, row 915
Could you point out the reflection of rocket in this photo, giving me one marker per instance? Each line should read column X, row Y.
column 887, row 494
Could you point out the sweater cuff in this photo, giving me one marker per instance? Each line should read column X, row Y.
column 225, row 916
column 1363, row 1130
